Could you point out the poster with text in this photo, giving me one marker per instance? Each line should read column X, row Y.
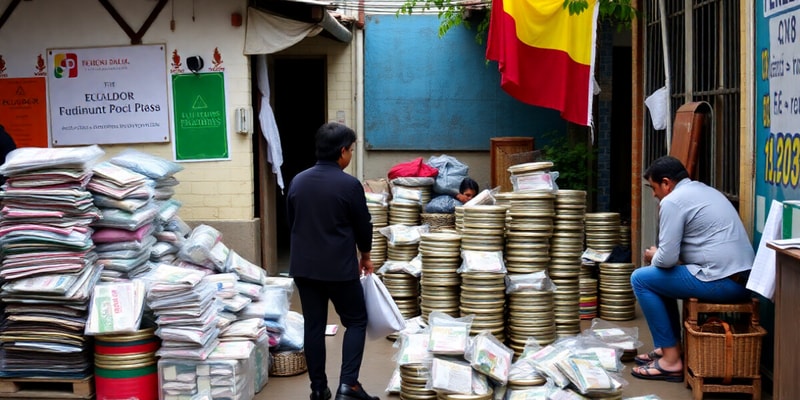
column 777, row 106
column 23, row 110
column 777, row 119
column 201, row 129
column 107, row 95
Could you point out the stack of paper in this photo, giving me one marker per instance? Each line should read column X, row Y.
column 49, row 266
column 183, row 303
column 124, row 234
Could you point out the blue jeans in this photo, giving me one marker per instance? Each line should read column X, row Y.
column 657, row 290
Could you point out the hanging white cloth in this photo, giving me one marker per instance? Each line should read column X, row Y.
column 267, row 119
column 267, row 33
column 762, row 276
column 658, row 104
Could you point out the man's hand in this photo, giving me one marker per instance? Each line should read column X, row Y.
column 365, row 264
column 462, row 198
column 649, row 253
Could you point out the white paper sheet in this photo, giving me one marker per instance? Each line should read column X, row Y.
column 762, row 276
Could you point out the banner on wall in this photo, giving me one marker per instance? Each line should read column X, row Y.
column 23, row 110
column 777, row 105
column 545, row 55
column 201, row 129
column 108, row 95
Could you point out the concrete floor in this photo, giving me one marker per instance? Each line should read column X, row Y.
column 378, row 365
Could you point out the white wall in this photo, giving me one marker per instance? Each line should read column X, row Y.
column 208, row 190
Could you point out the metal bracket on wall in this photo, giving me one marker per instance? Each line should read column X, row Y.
column 136, row 37
column 7, row 13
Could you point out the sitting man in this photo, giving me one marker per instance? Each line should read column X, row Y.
column 703, row 251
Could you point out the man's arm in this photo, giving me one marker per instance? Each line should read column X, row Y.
column 670, row 235
column 649, row 253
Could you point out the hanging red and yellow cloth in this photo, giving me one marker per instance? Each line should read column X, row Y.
column 545, row 55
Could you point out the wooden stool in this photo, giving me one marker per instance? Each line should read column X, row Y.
column 696, row 374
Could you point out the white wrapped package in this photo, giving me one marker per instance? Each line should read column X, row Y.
column 246, row 270
column 383, row 315
column 199, row 246
column 450, row 376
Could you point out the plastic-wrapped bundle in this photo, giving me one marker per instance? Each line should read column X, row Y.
column 444, row 204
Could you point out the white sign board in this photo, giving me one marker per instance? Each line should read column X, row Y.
column 108, row 95
column 784, row 68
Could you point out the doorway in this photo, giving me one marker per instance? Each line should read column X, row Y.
column 621, row 104
column 299, row 90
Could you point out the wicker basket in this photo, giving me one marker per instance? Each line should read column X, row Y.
column 707, row 356
column 438, row 220
column 287, row 363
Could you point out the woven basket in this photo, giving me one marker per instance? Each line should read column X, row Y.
column 708, row 355
column 288, row 363
column 438, row 220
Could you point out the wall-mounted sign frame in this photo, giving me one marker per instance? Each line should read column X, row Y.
column 23, row 110
column 201, row 126
column 108, row 95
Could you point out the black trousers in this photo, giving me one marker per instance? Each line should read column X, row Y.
column 348, row 301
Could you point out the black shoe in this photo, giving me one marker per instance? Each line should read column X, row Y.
column 324, row 395
column 347, row 392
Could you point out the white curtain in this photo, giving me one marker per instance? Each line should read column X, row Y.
column 266, row 34
column 267, row 119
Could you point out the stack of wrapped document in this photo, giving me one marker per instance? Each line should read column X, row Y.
column 183, row 303
column 124, row 235
column 133, row 191
column 49, row 266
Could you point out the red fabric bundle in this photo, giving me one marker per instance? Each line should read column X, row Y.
column 414, row 168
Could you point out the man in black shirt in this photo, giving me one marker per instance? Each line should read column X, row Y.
column 329, row 223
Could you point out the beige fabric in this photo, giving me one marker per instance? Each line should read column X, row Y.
column 267, row 33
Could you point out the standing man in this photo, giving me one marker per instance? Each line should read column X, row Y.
column 329, row 223
column 703, row 251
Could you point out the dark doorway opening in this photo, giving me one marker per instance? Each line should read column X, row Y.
column 299, row 90
column 621, row 106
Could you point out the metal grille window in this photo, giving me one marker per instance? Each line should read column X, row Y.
column 703, row 50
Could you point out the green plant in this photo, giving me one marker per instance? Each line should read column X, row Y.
column 572, row 158
column 450, row 15
column 620, row 12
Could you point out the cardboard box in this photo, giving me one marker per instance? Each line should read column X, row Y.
column 791, row 219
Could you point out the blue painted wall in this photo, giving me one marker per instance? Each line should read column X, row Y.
column 423, row 92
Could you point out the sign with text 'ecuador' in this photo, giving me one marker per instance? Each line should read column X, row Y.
column 106, row 95
column 201, row 129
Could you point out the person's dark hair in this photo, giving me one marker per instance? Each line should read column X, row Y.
column 666, row 167
column 468, row 183
column 331, row 138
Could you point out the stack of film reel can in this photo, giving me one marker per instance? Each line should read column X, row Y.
column 566, row 248
column 483, row 293
column 529, row 229
column 379, row 214
column 440, row 282
column 617, row 301
column 413, row 381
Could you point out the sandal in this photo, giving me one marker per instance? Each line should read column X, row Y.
column 644, row 359
column 663, row 375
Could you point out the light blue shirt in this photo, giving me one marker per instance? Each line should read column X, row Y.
column 700, row 228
